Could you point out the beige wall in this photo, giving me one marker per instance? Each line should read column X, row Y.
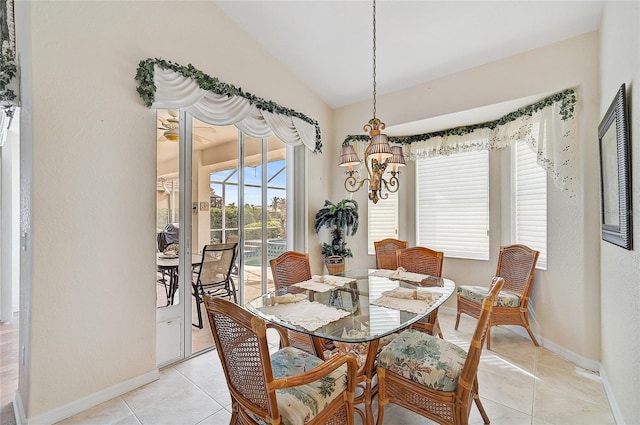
column 571, row 283
column 93, row 185
column 92, row 301
column 620, row 287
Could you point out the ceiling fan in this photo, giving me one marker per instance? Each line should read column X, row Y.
column 169, row 126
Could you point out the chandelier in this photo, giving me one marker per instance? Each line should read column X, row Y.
column 378, row 154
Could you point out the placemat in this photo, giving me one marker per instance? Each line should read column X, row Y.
column 403, row 299
column 310, row 315
column 324, row 283
column 402, row 274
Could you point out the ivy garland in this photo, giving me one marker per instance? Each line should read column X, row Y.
column 147, row 89
column 8, row 71
column 567, row 107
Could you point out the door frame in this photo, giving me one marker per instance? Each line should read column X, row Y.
column 176, row 319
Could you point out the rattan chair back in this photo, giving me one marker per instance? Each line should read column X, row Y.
column 516, row 265
column 470, row 368
column 386, row 257
column 241, row 343
column 419, row 259
column 423, row 260
column 443, row 407
column 290, row 267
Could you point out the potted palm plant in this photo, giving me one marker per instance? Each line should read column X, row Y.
column 342, row 220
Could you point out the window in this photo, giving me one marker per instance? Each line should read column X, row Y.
column 529, row 218
column 382, row 220
column 452, row 204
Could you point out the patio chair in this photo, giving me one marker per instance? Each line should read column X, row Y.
column 269, row 388
column 516, row 264
column 231, row 239
column 386, row 253
column 213, row 275
column 423, row 260
column 434, row 377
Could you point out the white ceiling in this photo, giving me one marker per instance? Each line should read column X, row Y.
column 328, row 44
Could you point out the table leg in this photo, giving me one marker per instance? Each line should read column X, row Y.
column 173, row 283
column 364, row 377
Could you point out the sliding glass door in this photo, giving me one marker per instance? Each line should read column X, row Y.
column 263, row 175
column 236, row 188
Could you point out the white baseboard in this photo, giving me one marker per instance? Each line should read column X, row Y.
column 18, row 410
column 568, row 355
column 80, row 405
column 574, row 358
column 615, row 409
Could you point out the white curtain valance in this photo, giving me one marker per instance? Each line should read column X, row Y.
column 171, row 86
column 5, row 122
column 549, row 127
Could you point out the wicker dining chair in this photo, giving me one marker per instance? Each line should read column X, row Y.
column 386, row 253
column 434, row 377
column 423, row 260
column 213, row 274
column 289, row 268
column 516, row 264
column 288, row 386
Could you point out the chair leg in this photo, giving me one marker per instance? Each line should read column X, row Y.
column 524, row 317
column 489, row 337
column 232, row 286
column 198, row 301
column 382, row 400
column 476, row 398
column 533, row 338
column 457, row 320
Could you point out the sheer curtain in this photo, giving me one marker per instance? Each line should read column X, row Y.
column 549, row 127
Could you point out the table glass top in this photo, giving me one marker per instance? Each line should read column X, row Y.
column 363, row 320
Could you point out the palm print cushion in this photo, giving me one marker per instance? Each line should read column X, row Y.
column 298, row 405
column 478, row 293
column 422, row 358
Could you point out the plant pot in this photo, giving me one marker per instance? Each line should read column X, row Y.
column 334, row 264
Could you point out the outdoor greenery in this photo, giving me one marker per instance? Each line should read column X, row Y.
column 276, row 219
column 342, row 220
column 8, row 71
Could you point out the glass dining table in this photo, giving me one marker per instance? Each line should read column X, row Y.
column 355, row 308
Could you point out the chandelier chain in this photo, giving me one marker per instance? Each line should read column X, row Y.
column 374, row 59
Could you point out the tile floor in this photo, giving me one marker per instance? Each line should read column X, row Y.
column 519, row 384
column 8, row 368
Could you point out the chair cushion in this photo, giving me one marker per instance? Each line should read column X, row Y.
column 477, row 294
column 298, row 405
column 425, row 359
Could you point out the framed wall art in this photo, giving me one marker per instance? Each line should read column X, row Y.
column 615, row 173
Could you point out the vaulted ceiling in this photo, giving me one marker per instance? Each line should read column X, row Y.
column 328, row 44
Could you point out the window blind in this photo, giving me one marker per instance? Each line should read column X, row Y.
column 530, row 203
column 452, row 203
column 382, row 220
